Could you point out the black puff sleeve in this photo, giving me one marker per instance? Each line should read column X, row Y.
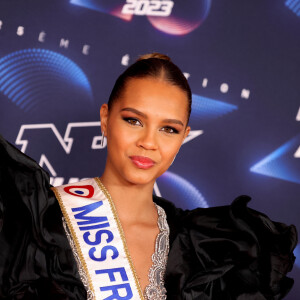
column 36, row 261
column 228, row 252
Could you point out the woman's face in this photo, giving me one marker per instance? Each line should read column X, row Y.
column 145, row 129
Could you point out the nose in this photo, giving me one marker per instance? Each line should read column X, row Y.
column 147, row 140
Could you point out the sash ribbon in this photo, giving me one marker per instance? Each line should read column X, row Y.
column 99, row 239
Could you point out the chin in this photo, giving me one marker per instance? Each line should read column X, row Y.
column 141, row 181
column 140, row 178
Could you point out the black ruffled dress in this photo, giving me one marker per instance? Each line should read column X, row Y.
column 228, row 252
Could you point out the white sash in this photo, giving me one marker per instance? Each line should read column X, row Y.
column 100, row 242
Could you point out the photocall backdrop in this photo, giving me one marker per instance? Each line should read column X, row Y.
column 59, row 60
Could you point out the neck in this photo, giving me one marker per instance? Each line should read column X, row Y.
column 134, row 203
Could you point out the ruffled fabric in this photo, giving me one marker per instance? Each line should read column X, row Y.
column 36, row 261
column 229, row 252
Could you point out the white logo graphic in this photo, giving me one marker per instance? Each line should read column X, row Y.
column 66, row 141
column 161, row 8
column 125, row 60
column 297, row 153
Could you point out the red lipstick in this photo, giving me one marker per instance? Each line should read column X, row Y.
column 142, row 162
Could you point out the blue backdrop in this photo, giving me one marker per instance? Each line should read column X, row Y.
column 60, row 58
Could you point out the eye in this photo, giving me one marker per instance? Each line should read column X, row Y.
column 132, row 121
column 170, row 130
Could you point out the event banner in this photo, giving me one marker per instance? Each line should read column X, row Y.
column 59, row 60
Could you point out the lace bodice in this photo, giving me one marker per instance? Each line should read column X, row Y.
column 156, row 290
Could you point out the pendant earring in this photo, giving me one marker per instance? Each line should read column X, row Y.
column 102, row 140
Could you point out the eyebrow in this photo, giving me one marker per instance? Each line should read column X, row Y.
column 174, row 121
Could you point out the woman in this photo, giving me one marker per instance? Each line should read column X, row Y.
column 218, row 253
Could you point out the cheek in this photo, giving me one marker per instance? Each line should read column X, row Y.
column 118, row 138
column 169, row 149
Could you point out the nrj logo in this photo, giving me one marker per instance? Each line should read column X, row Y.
column 49, row 130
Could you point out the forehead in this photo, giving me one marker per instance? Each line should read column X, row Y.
column 155, row 96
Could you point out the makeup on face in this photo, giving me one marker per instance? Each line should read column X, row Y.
column 135, row 117
column 146, row 128
column 142, row 162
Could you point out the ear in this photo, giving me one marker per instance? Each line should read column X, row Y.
column 104, row 118
column 187, row 131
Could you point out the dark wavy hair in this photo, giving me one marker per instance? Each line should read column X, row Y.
column 154, row 65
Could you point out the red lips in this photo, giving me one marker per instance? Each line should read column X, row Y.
column 142, row 162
